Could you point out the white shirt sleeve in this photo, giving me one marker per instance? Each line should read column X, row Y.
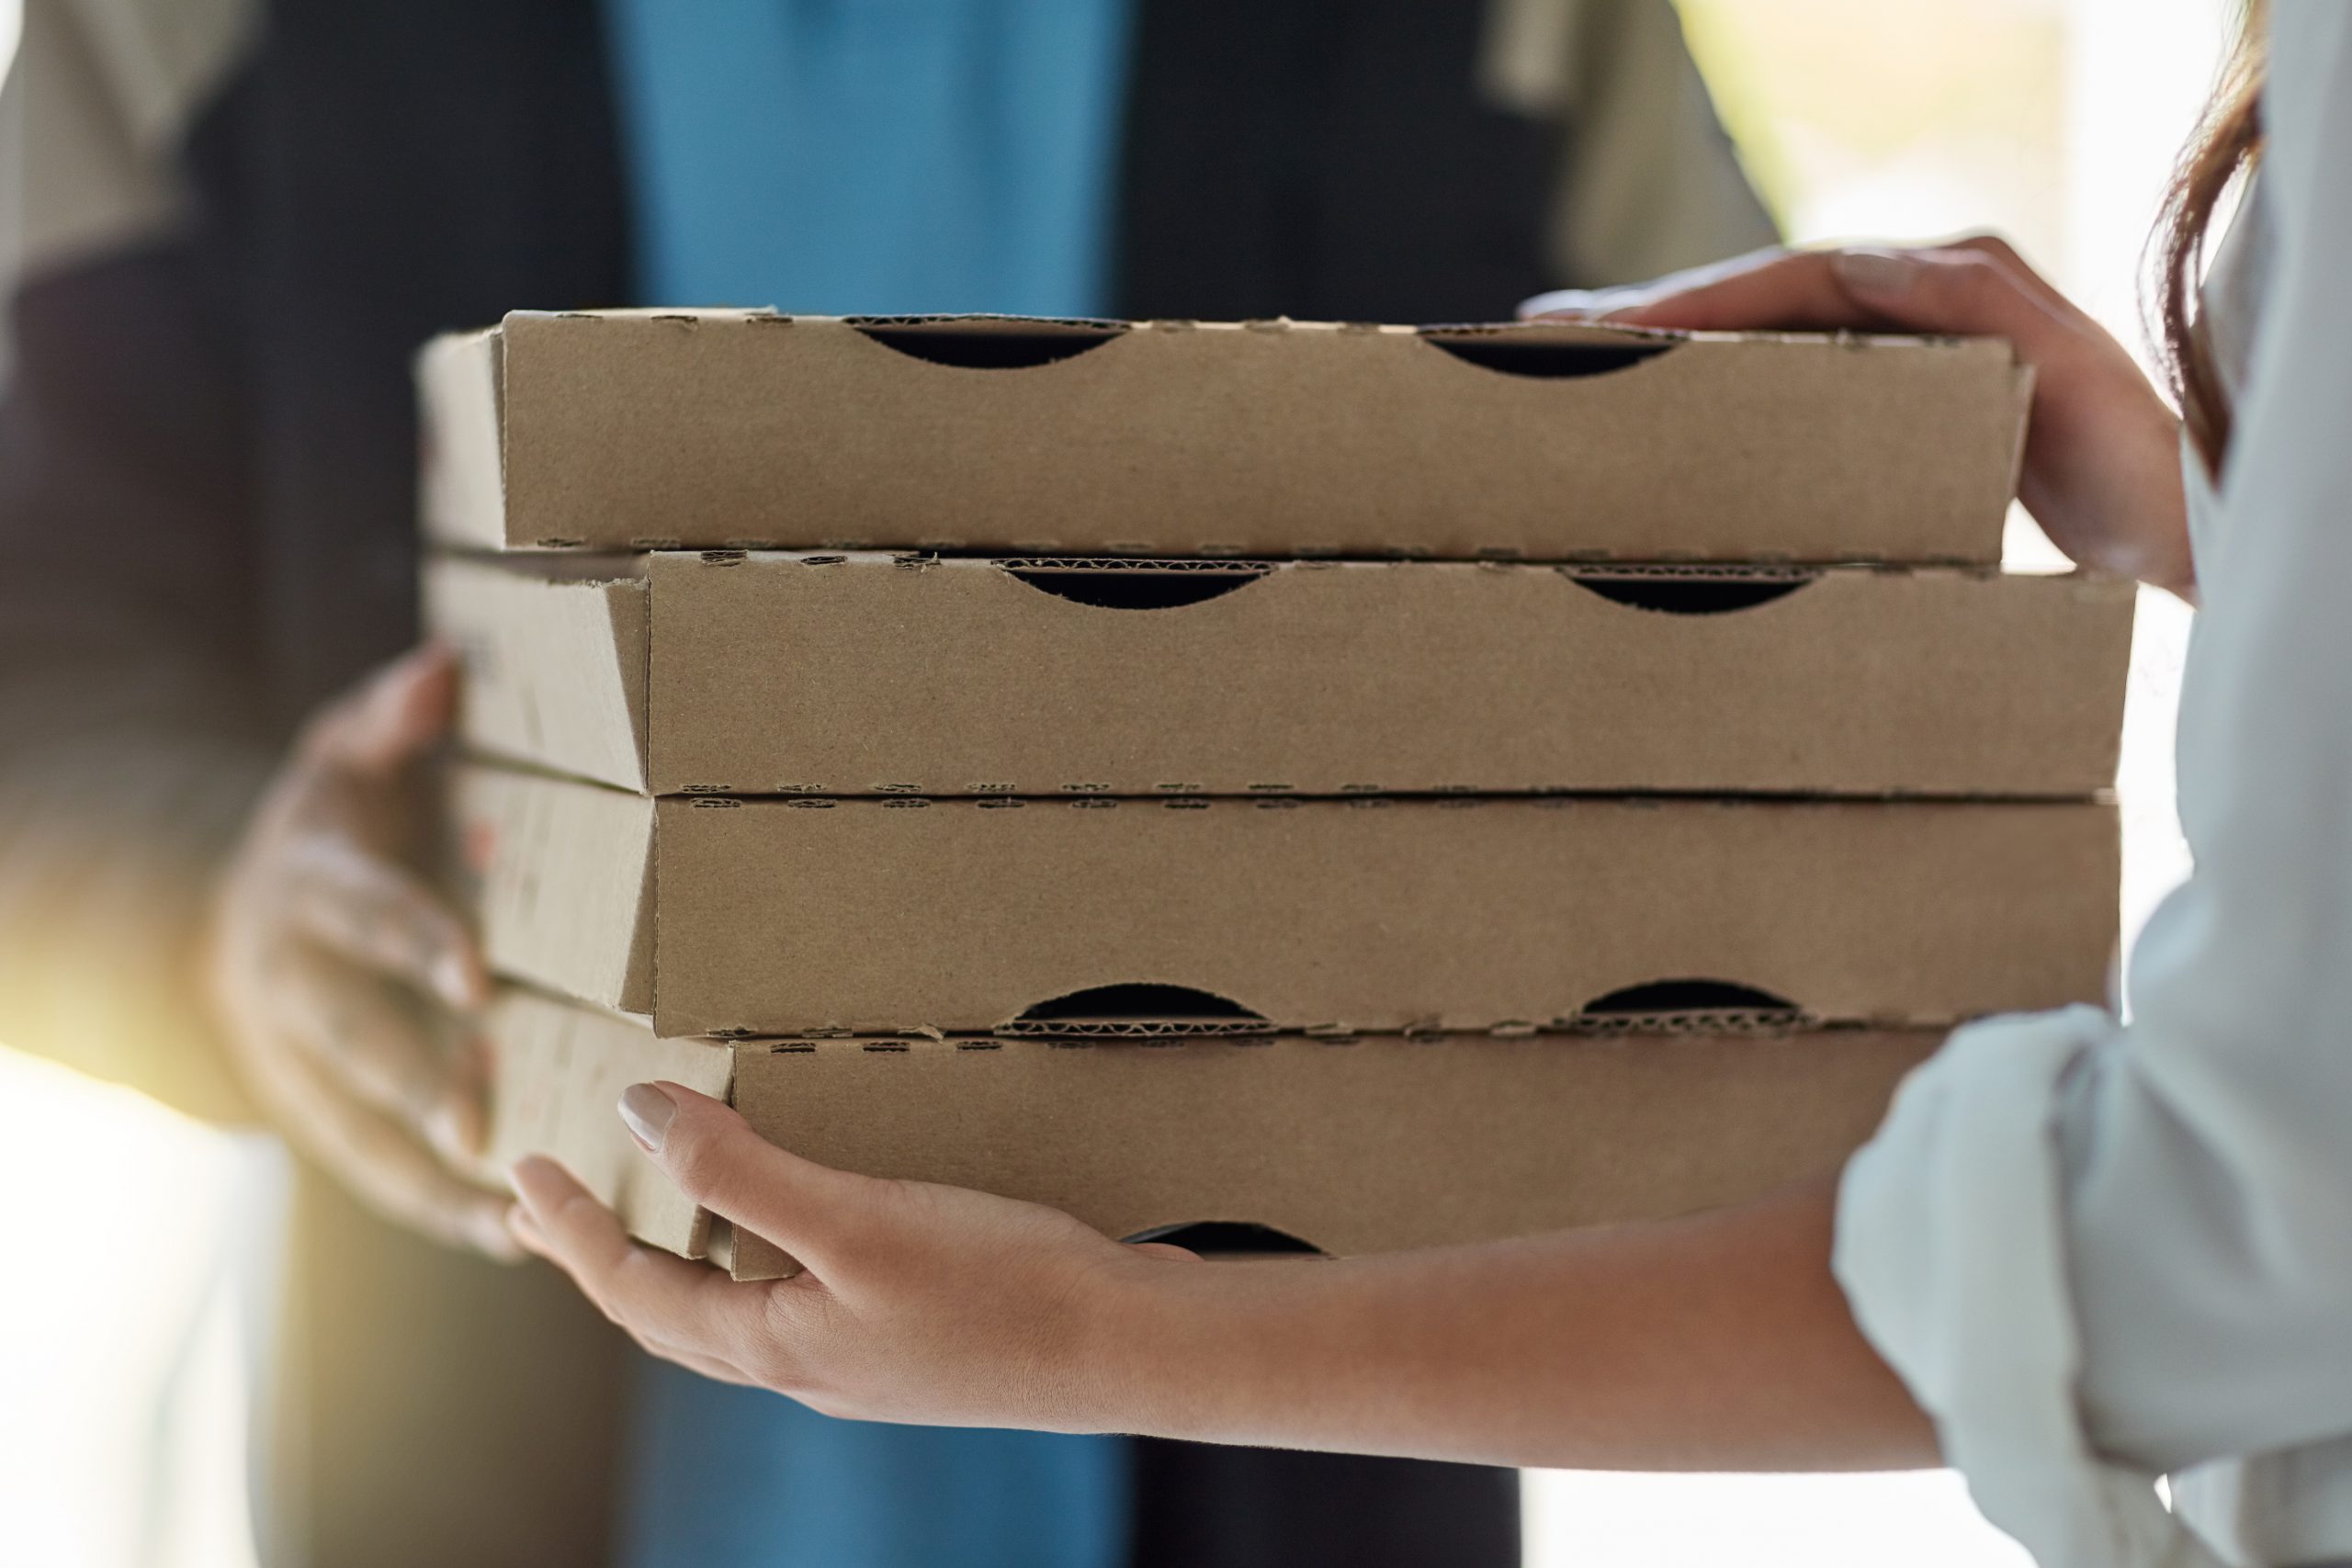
column 2098, row 1252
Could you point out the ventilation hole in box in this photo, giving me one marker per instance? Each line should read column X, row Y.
column 1692, row 593
column 1232, row 1238
column 1693, row 1003
column 1137, row 1009
column 1109, row 586
column 976, row 345
column 1542, row 356
column 1140, row 1000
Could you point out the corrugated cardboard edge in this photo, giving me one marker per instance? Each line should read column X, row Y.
column 555, row 656
column 462, row 479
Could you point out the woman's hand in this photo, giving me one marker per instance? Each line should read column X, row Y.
column 2102, row 456
column 917, row 1303
column 338, row 975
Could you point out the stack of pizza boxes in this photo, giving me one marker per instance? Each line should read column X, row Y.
column 1282, row 784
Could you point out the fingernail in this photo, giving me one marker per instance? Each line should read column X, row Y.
column 1580, row 304
column 648, row 1112
column 1882, row 272
column 454, row 1129
column 454, row 978
column 1558, row 302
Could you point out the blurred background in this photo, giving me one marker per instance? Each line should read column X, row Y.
column 123, row 1413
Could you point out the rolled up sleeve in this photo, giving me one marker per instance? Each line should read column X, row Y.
column 2099, row 1251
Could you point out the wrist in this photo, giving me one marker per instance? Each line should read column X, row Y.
column 1130, row 1365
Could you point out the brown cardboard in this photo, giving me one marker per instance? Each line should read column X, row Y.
column 557, row 1069
column 1549, row 441
column 795, row 673
column 1366, row 1145
column 784, row 916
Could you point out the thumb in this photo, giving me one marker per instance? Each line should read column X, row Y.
column 715, row 1157
column 1167, row 1249
column 404, row 708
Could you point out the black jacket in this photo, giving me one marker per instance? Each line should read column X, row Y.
column 235, row 228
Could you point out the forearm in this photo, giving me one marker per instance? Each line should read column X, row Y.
column 1718, row 1342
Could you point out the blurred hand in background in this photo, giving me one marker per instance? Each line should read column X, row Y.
column 342, row 983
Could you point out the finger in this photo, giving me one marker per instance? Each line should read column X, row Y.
column 719, row 1161
column 352, row 1027
column 710, row 1366
column 1999, row 250
column 1790, row 290
column 1979, row 289
column 383, row 917
column 534, row 1241
column 665, row 1300
column 385, row 1167
column 398, row 715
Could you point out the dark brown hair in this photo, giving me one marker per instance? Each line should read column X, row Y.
column 2227, row 143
